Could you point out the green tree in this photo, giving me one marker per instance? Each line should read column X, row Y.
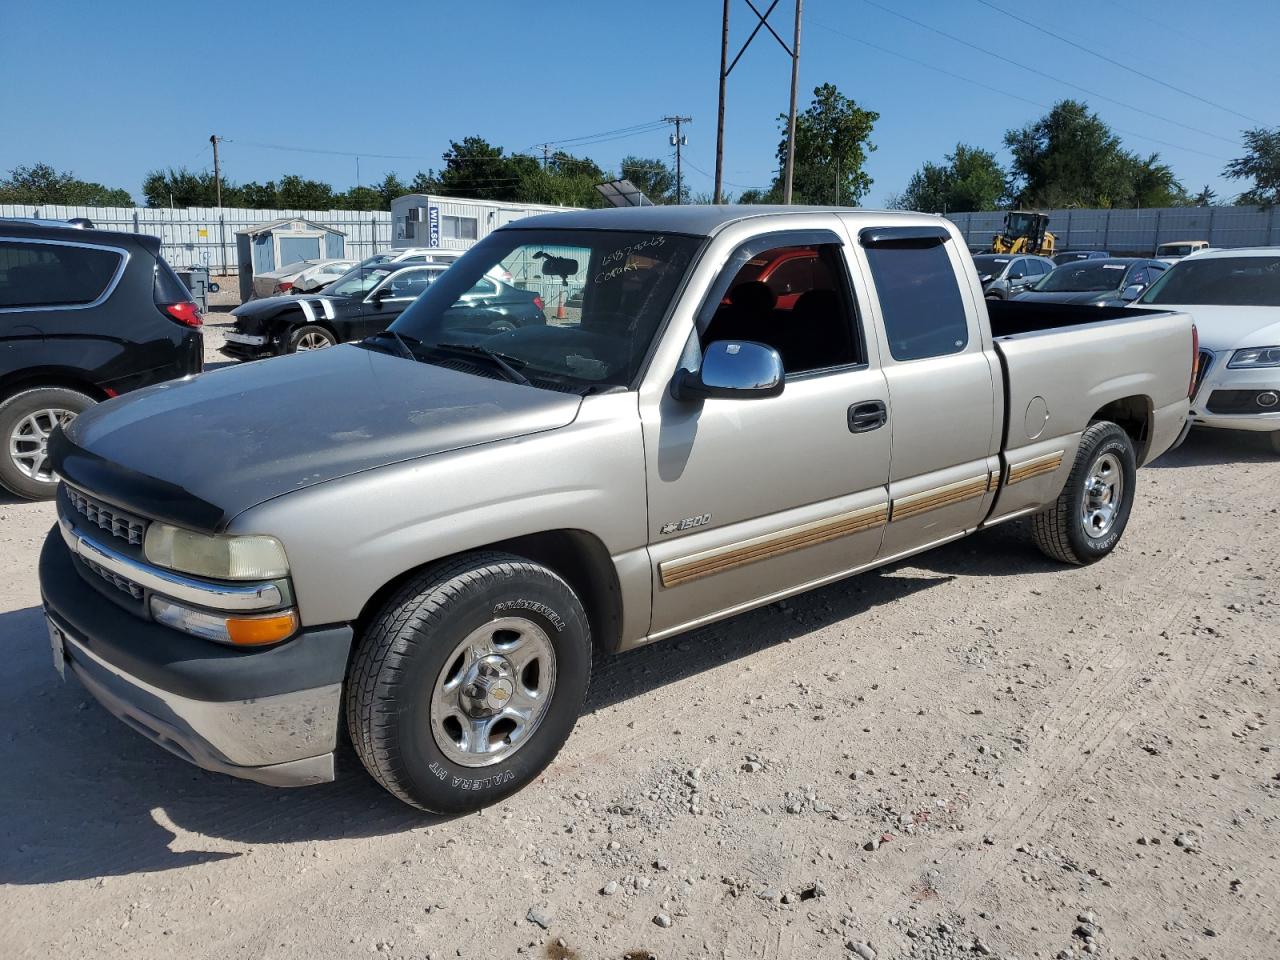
column 476, row 168
column 41, row 183
column 970, row 178
column 256, row 196
column 295, row 193
column 833, row 139
column 1260, row 164
column 183, row 188
column 425, row 182
column 653, row 177
column 1071, row 158
column 1205, row 198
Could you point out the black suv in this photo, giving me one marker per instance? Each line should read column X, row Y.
column 84, row 315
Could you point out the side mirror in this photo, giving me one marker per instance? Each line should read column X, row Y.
column 1015, row 276
column 381, row 294
column 213, row 288
column 1132, row 291
column 732, row 370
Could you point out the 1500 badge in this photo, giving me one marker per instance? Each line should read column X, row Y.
column 688, row 523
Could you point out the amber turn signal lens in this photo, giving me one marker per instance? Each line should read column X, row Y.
column 257, row 631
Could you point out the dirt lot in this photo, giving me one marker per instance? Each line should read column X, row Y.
column 975, row 753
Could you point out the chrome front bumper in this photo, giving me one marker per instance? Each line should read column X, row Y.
column 282, row 741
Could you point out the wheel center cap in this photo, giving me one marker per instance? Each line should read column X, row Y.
column 488, row 686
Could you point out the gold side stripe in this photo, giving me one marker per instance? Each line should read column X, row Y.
column 993, row 480
column 720, row 559
column 1035, row 467
column 939, row 497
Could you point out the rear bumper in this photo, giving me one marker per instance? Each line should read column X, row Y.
column 269, row 715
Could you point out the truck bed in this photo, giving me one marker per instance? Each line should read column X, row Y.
column 1011, row 317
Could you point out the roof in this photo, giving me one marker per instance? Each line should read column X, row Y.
column 1239, row 252
column 62, row 230
column 695, row 219
column 272, row 224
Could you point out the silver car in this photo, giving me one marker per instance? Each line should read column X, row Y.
column 1002, row 274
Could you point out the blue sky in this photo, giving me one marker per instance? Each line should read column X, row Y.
column 111, row 90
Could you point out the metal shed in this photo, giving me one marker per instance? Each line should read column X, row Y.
column 268, row 246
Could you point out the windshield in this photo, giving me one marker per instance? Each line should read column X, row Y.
column 376, row 259
column 1225, row 281
column 357, row 282
column 594, row 338
column 1084, row 276
column 988, row 265
column 1073, row 256
column 1174, row 250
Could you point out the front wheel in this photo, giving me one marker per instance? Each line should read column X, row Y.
column 26, row 421
column 469, row 681
column 311, row 336
column 1089, row 516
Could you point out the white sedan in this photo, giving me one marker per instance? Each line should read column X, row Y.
column 1234, row 298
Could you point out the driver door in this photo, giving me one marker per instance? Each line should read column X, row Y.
column 391, row 298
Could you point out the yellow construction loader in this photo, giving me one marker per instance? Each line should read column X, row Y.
column 1024, row 233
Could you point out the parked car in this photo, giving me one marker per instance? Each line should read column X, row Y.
column 1234, row 298
column 428, row 255
column 316, row 278
column 422, row 538
column 363, row 302
column 1175, row 250
column 1112, row 282
column 281, row 280
column 85, row 315
column 1071, row 256
column 1003, row 275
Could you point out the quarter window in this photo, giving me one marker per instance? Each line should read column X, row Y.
column 919, row 299
column 51, row 274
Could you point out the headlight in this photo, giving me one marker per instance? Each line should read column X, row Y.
column 1256, row 357
column 221, row 558
column 985, row 277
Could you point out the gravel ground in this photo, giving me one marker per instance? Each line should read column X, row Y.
column 976, row 753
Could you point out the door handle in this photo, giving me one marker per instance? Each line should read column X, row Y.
column 864, row 417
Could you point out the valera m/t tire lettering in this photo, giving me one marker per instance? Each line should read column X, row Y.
column 468, row 681
column 1090, row 514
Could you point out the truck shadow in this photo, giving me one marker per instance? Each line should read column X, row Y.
column 1208, row 448
column 83, row 796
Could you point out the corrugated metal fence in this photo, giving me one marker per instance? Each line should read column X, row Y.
column 1138, row 232
column 195, row 236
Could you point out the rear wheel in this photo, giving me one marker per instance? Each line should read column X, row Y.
column 26, row 421
column 1090, row 514
column 310, row 336
column 468, row 682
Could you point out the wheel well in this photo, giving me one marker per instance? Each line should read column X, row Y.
column 30, row 379
column 293, row 319
column 577, row 556
column 1133, row 415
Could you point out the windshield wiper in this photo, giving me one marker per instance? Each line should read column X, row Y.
column 403, row 345
column 500, row 361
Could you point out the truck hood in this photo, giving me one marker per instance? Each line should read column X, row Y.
column 1230, row 328
column 198, row 452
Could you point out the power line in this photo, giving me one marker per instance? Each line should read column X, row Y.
column 1118, row 63
column 1047, row 76
column 998, row 90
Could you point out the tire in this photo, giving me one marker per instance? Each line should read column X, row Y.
column 310, row 336
column 26, row 420
column 1069, row 532
column 411, row 681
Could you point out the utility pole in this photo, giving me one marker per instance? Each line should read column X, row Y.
column 724, row 75
column 725, row 69
column 789, row 176
column 678, row 140
column 217, row 187
column 546, row 155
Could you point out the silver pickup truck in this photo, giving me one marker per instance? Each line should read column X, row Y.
column 426, row 533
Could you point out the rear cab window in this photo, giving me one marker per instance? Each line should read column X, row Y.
column 920, row 300
column 44, row 274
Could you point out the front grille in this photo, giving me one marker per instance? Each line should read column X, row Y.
column 1202, row 368
column 1244, row 401
column 117, row 581
column 111, row 519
